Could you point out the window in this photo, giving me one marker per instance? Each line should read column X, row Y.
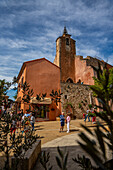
column 65, row 96
column 79, row 81
column 67, row 41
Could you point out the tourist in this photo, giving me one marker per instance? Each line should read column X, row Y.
column 13, row 128
column 94, row 116
column 68, row 122
column 23, row 123
column 11, row 114
column 32, row 121
column 62, row 120
column 87, row 116
column 26, row 112
column 21, row 112
column 3, row 109
column 84, row 115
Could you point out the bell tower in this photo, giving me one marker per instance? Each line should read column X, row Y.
column 65, row 56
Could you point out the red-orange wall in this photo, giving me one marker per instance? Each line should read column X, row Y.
column 83, row 72
column 42, row 77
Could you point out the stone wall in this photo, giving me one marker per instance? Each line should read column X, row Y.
column 94, row 62
column 75, row 95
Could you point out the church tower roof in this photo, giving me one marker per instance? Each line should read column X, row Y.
column 65, row 30
column 65, row 33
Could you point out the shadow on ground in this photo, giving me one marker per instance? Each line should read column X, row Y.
column 74, row 130
column 39, row 125
column 39, row 128
column 71, row 165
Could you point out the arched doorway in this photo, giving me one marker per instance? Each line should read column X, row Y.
column 69, row 80
column 79, row 81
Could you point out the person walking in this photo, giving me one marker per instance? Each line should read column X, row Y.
column 87, row 116
column 13, row 129
column 23, row 123
column 62, row 120
column 32, row 120
column 68, row 122
column 21, row 113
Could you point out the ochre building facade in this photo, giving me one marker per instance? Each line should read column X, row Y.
column 43, row 77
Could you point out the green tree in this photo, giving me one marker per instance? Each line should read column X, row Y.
column 4, row 86
column 27, row 92
column 56, row 96
column 15, row 88
column 19, row 143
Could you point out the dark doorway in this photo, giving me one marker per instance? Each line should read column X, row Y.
column 69, row 80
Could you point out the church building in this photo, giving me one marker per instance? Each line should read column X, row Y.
column 74, row 68
column 70, row 73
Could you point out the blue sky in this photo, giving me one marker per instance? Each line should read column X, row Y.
column 29, row 28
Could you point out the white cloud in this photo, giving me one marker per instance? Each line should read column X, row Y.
column 88, row 52
column 9, row 79
column 13, row 43
column 29, row 29
column 110, row 59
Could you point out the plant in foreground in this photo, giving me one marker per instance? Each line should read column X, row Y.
column 44, row 160
column 100, row 141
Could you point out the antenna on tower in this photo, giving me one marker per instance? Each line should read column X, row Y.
column 65, row 30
